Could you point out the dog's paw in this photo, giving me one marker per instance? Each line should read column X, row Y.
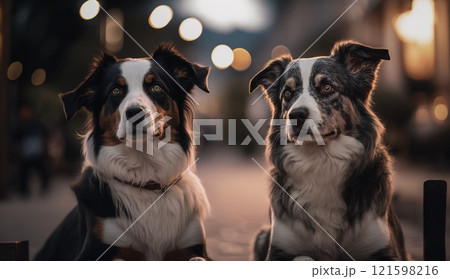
column 197, row 259
column 303, row 258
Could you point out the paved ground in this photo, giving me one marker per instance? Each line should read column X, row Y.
column 237, row 190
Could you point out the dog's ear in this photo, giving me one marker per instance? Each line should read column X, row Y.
column 267, row 76
column 201, row 76
column 361, row 61
column 82, row 96
column 186, row 73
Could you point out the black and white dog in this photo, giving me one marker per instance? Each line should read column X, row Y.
column 120, row 183
column 344, row 185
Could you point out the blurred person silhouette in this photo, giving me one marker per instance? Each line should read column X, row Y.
column 30, row 138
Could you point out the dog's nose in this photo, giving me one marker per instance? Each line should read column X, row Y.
column 301, row 114
column 133, row 111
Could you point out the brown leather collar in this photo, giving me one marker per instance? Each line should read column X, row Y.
column 149, row 185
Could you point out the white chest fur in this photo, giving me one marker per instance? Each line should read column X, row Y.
column 317, row 174
column 174, row 221
column 171, row 221
column 128, row 164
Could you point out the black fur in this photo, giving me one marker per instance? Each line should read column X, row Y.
column 74, row 238
column 261, row 245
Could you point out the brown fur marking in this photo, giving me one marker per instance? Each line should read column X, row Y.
column 108, row 125
column 350, row 109
column 98, row 228
column 180, row 73
column 174, row 122
column 129, row 254
column 121, row 81
column 148, row 78
column 291, row 84
column 318, row 80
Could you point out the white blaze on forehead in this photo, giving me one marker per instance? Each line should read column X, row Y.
column 305, row 99
column 305, row 66
column 134, row 71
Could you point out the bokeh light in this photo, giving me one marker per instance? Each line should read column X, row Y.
column 190, row 29
column 241, row 59
column 422, row 115
column 280, row 50
column 439, row 100
column 89, row 9
column 222, row 56
column 440, row 108
column 440, row 112
column 38, row 77
column 160, row 17
column 417, row 25
column 112, row 31
column 225, row 16
column 14, row 70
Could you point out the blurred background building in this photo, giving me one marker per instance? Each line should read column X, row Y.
column 46, row 48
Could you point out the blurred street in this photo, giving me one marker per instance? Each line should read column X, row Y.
column 237, row 190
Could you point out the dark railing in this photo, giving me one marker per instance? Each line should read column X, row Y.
column 434, row 211
column 14, row 251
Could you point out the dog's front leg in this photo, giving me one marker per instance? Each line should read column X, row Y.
column 284, row 243
column 303, row 258
column 277, row 254
column 192, row 253
column 191, row 245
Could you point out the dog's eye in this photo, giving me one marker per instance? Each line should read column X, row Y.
column 116, row 91
column 287, row 94
column 157, row 88
column 327, row 88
